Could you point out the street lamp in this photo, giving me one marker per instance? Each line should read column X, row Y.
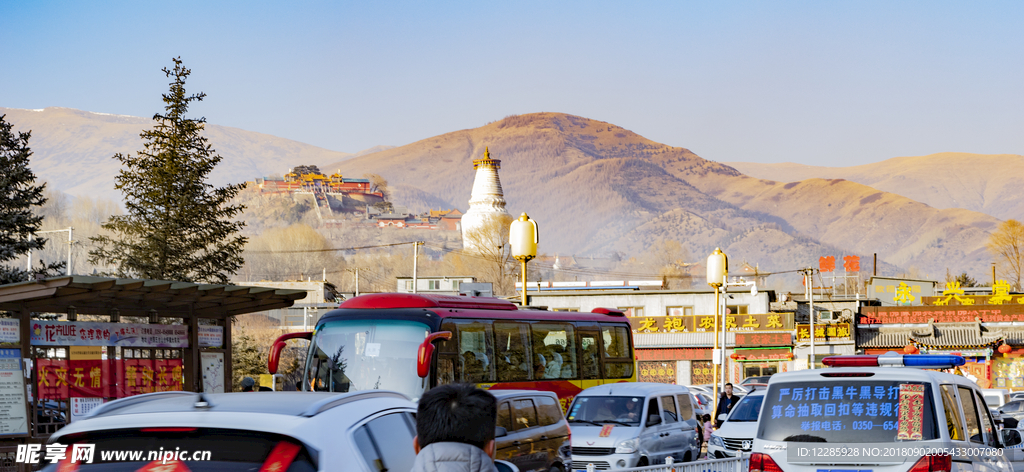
column 718, row 269
column 523, row 236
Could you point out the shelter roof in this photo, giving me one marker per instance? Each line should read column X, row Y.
column 137, row 297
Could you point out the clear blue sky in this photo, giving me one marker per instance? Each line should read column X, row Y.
column 828, row 83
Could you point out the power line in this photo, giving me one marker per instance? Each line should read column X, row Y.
column 299, row 251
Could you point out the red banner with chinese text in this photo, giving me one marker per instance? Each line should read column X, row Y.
column 138, row 376
column 60, row 379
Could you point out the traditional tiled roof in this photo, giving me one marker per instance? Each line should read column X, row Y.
column 943, row 335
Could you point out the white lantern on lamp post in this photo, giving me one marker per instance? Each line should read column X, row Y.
column 523, row 237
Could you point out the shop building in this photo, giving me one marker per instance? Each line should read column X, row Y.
column 988, row 330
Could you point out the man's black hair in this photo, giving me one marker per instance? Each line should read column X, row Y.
column 456, row 413
column 729, row 384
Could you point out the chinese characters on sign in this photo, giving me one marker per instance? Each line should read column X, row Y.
column 765, row 339
column 760, row 355
column 79, row 333
column 921, row 314
column 211, row 336
column 823, row 331
column 841, row 406
column 60, row 379
column 10, row 331
column 13, row 414
column 706, row 323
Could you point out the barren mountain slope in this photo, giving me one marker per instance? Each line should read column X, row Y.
column 988, row 183
column 74, row 149
column 595, row 187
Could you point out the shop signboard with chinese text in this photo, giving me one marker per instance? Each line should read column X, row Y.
column 85, row 333
column 762, row 355
column 13, row 408
column 940, row 314
column 764, row 339
column 823, row 331
column 706, row 323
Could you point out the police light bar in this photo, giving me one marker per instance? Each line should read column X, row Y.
column 921, row 361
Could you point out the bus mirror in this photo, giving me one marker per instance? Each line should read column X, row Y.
column 426, row 352
column 279, row 343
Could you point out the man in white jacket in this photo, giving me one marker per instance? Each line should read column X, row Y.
column 455, row 430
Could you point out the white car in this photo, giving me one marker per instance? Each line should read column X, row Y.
column 625, row 425
column 233, row 432
column 877, row 413
column 736, row 435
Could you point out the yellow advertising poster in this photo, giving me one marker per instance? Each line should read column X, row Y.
column 86, row 353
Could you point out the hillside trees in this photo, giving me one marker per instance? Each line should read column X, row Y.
column 1006, row 244
column 20, row 198
column 291, row 253
column 491, row 259
column 177, row 226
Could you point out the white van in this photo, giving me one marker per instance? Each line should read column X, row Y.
column 877, row 413
column 617, row 426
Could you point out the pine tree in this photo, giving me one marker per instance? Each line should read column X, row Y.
column 177, row 226
column 18, row 196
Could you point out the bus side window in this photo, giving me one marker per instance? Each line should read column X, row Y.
column 449, row 369
column 554, row 347
column 476, row 351
column 513, row 355
column 590, row 364
column 618, row 358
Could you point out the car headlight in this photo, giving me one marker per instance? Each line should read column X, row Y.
column 628, row 446
column 716, row 441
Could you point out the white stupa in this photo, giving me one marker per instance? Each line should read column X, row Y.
column 486, row 205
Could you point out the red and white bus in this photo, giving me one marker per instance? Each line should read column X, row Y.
column 412, row 342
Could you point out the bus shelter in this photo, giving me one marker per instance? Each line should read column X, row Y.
column 71, row 343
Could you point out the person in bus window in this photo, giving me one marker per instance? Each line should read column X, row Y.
column 539, row 365
column 553, row 369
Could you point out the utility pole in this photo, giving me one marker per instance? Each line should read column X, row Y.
column 356, row 272
column 809, row 290
column 415, row 255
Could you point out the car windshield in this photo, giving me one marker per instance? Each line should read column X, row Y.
column 353, row 355
column 748, row 408
column 603, row 409
column 847, row 411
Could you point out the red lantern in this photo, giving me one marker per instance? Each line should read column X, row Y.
column 735, row 356
column 910, row 349
column 1005, row 348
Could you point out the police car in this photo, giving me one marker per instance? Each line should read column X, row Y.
column 884, row 413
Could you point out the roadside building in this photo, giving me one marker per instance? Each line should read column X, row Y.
column 673, row 331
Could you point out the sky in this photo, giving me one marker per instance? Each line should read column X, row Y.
column 833, row 83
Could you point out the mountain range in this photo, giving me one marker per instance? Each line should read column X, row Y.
column 596, row 188
column 986, row 183
column 74, row 149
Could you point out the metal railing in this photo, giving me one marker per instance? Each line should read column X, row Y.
column 733, row 464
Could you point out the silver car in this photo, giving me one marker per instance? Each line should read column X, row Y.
column 617, row 426
column 227, row 432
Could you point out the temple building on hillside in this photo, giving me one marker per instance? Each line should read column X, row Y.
column 486, row 208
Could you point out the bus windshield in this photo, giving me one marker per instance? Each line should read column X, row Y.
column 353, row 355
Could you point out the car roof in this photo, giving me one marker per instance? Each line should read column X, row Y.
column 287, row 413
column 879, row 373
column 633, row 388
column 281, row 403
